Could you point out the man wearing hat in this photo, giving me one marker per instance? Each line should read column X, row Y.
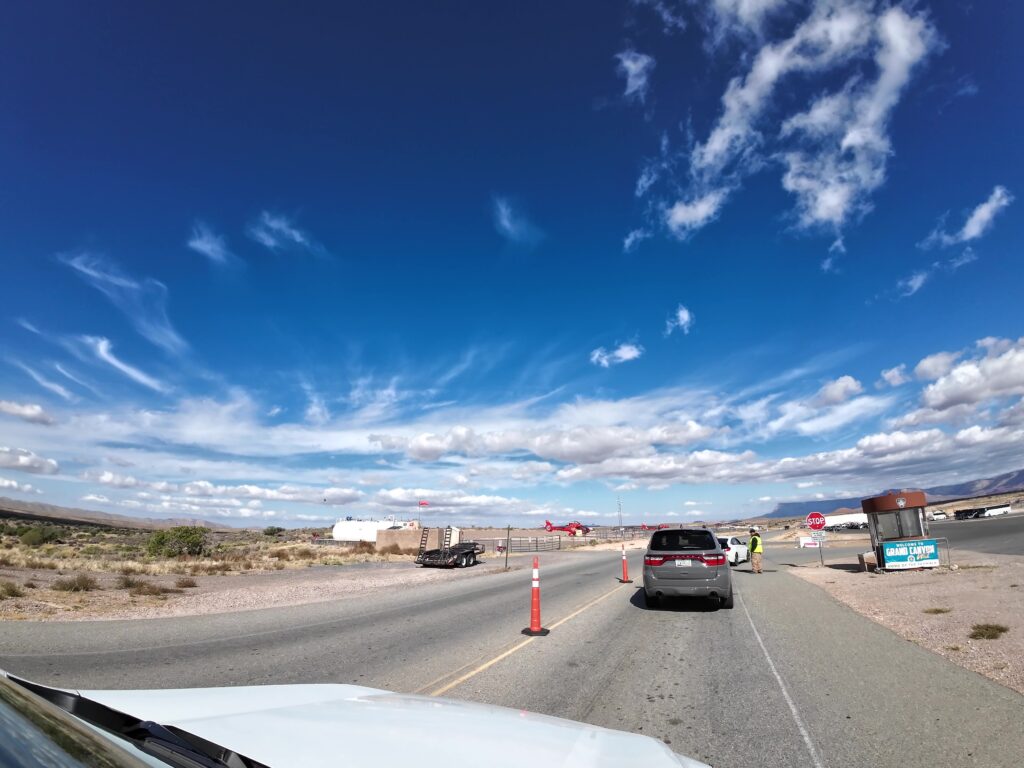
column 756, row 550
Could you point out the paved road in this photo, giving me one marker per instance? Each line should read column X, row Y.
column 787, row 678
column 1002, row 535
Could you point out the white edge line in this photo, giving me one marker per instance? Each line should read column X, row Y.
column 815, row 758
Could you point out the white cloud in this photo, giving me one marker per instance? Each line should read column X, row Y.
column 682, row 319
column 834, row 152
column 513, row 225
column 672, row 19
column 331, row 496
column 211, row 245
column 26, row 461
column 103, row 350
column 96, row 497
column 978, row 380
column 837, row 391
column 636, row 68
column 633, row 239
column 845, row 134
column 13, row 485
column 977, row 224
column 113, row 479
column 936, row 365
column 764, row 498
column 277, row 233
column 27, row 411
column 896, row 376
column 908, row 286
column 685, row 218
column 45, row 383
column 621, row 354
column 144, row 303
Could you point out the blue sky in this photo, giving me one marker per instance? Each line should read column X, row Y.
column 516, row 261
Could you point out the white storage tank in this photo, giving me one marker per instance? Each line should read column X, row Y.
column 366, row 530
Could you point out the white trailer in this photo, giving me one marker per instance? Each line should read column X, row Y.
column 367, row 530
column 850, row 517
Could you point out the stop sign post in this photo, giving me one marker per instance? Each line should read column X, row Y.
column 816, row 522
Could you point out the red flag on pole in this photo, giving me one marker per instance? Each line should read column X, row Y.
column 424, row 504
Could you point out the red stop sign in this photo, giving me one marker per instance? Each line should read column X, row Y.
column 815, row 521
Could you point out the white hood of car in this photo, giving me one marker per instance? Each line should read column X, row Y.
column 332, row 725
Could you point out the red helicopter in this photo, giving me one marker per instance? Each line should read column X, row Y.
column 658, row 527
column 575, row 528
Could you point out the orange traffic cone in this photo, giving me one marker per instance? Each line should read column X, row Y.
column 535, row 628
column 625, row 568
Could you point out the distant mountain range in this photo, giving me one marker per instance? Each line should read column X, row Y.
column 32, row 509
column 1011, row 481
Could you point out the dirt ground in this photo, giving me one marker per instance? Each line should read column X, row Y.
column 215, row 594
column 937, row 608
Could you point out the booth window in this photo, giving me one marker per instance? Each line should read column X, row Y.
column 888, row 526
column 899, row 524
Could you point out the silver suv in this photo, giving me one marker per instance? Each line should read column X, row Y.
column 686, row 562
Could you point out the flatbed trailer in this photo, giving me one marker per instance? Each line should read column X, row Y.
column 448, row 555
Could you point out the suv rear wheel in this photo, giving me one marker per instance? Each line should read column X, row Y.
column 653, row 601
column 727, row 601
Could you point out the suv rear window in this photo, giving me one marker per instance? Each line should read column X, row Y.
column 669, row 541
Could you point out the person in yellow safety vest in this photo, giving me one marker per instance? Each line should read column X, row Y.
column 756, row 550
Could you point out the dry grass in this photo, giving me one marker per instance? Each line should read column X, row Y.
column 145, row 589
column 185, row 583
column 10, row 589
column 79, row 583
column 988, row 631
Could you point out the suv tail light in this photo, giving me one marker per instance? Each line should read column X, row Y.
column 714, row 559
column 654, row 560
column 728, row 550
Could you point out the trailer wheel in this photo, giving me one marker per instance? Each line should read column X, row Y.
column 471, row 559
column 462, row 562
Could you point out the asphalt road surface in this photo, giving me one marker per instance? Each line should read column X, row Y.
column 1003, row 535
column 787, row 678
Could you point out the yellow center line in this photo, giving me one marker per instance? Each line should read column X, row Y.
column 488, row 664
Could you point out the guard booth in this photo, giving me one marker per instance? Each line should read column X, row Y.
column 899, row 531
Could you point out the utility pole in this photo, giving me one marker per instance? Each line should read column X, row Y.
column 622, row 531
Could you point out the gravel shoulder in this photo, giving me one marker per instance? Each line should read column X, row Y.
column 937, row 608
column 224, row 593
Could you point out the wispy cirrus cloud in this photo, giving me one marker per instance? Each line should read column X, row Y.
column 278, row 233
column 623, row 353
column 834, row 152
column 682, row 320
column 977, row 224
column 44, row 382
column 513, row 225
column 143, row 302
column 30, row 412
column 636, row 68
column 104, row 351
column 214, row 247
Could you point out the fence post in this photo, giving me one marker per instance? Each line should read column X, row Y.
column 508, row 543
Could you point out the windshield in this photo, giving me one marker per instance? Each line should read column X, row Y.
column 682, row 540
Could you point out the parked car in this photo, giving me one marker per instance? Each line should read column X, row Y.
column 939, row 516
column 686, row 562
column 736, row 550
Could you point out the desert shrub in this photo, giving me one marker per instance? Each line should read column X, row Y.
column 128, row 582
column 988, row 631
column 180, row 540
column 42, row 534
column 91, row 550
column 30, row 585
column 185, row 583
column 280, row 554
column 10, row 589
column 390, row 549
column 5, row 561
column 936, row 611
column 364, row 548
column 303, row 553
column 33, row 563
column 130, row 570
column 147, row 589
column 272, row 530
column 79, row 583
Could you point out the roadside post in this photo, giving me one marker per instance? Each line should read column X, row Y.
column 535, row 629
column 625, row 568
column 508, row 544
column 816, row 522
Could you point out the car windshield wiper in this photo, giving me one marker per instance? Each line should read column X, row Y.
column 165, row 742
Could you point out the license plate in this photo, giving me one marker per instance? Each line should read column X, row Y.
column 684, row 563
